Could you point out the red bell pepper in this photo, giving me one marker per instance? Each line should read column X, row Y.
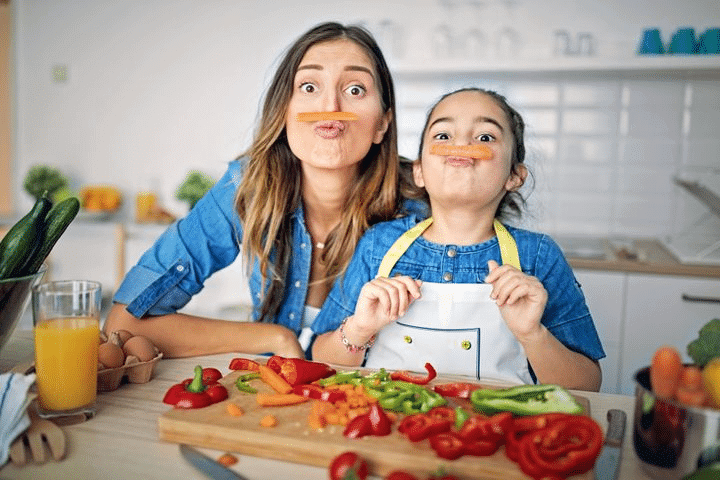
column 482, row 428
column 298, row 371
column 456, row 390
column 374, row 422
column 211, row 375
column 244, row 364
column 275, row 362
column 194, row 393
column 406, row 376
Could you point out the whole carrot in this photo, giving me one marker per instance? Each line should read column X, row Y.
column 665, row 370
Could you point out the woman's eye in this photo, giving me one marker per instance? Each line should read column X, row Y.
column 355, row 90
column 486, row 137
column 307, row 87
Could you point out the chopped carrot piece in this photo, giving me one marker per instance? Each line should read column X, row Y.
column 268, row 421
column 274, row 379
column 279, row 399
column 234, row 410
column 227, row 459
column 316, row 421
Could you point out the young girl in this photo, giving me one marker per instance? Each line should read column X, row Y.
column 459, row 289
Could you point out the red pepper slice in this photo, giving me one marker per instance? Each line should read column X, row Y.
column 447, row 445
column 456, row 390
column 374, row 422
column 275, row 362
column 480, row 427
column 406, row 376
column 298, row 371
column 421, row 426
column 481, row 448
column 566, row 447
column 244, row 364
column 442, row 413
column 211, row 375
column 216, row 392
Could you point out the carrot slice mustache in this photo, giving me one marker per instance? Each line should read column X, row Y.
column 320, row 116
column 481, row 152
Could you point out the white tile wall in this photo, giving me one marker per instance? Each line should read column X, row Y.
column 603, row 149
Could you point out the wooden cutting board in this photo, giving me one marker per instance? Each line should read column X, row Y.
column 293, row 441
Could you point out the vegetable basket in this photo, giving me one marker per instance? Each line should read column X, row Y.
column 671, row 439
column 15, row 296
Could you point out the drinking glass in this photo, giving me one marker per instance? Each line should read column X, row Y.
column 66, row 318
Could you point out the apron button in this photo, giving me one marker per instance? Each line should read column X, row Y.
column 465, row 344
column 407, row 338
column 447, row 276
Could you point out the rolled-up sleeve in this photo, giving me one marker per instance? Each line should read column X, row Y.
column 180, row 261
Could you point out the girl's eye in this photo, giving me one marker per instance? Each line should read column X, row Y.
column 441, row 136
column 486, row 137
column 307, row 87
column 355, row 91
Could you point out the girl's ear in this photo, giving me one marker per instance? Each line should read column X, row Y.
column 382, row 127
column 517, row 178
column 417, row 173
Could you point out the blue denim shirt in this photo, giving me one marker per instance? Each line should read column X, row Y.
column 205, row 241
column 566, row 314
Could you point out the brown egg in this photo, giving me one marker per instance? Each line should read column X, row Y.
column 124, row 335
column 110, row 355
column 140, row 347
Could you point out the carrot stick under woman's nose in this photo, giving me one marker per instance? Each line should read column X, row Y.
column 479, row 151
column 319, row 116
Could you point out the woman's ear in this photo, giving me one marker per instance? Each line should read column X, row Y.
column 517, row 178
column 417, row 173
column 382, row 127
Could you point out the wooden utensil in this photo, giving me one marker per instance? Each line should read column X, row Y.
column 39, row 432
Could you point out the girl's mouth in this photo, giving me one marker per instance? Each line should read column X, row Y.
column 459, row 161
column 329, row 129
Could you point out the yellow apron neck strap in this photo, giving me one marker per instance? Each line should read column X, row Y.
column 508, row 247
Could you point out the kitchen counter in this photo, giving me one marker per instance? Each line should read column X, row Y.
column 643, row 256
column 122, row 441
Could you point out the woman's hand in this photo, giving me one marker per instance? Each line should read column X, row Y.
column 521, row 299
column 382, row 301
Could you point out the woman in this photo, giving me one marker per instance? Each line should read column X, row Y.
column 297, row 201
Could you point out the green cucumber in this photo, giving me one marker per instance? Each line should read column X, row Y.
column 24, row 239
column 56, row 221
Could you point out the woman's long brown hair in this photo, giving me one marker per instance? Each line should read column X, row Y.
column 270, row 191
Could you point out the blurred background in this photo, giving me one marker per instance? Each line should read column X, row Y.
column 138, row 93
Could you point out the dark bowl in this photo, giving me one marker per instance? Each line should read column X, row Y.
column 672, row 439
column 15, row 294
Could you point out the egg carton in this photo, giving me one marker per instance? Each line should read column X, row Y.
column 110, row 379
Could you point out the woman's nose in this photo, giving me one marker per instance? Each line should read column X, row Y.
column 331, row 101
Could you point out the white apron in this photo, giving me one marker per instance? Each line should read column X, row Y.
column 456, row 327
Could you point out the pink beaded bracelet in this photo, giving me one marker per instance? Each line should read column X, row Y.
column 354, row 348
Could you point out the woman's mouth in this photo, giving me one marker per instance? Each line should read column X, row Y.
column 329, row 129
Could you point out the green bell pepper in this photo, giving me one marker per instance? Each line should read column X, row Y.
column 525, row 400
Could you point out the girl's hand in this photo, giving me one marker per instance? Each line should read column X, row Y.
column 521, row 299
column 382, row 301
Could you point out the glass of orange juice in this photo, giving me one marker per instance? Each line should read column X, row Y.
column 66, row 317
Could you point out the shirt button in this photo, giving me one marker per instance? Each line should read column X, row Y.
column 447, row 276
column 292, row 316
column 303, row 245
column 297, row 283
column 179, row 268
column 451, row 252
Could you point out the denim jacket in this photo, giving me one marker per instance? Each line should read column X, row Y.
column 205, row 241
column 566, row 314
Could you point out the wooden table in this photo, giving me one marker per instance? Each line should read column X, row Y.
column 122, row 440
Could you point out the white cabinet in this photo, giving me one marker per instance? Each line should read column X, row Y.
column 663, row 309
column 637, row 313
column 604, row 294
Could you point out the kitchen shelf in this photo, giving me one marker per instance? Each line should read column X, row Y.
column 670, row 65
